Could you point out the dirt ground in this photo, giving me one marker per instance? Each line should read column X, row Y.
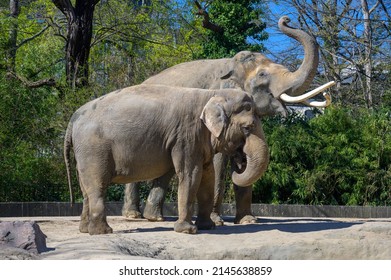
column 270, row 238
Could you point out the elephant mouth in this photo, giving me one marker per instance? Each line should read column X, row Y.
column 249, row 163
column 238, row 161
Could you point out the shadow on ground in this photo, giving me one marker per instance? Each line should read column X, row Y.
column 288, row 225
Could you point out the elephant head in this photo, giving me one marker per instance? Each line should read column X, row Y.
column 272, row 84
column 235, row 128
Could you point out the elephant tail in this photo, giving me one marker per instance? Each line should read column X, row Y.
column 67, row 156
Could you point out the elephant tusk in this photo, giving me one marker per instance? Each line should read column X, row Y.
column 320, row 104
column 295, row 99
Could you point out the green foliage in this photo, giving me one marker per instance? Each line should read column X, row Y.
column 242, row 25
column 342, row 157
column 29, row 144
column 132, row 43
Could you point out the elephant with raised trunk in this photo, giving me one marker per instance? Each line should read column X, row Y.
column 148, row 131
column 272, row 86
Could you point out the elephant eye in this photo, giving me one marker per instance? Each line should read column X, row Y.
column 247, row 107
column 261, row 74
column 248, row 129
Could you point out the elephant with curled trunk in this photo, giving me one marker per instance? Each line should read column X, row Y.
column 272, row 86
column 148, row 131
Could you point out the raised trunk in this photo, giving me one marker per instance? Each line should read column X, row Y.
column 297, row 82
column 257, row 159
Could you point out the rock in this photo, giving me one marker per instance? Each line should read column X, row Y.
column 23, row 235
column 13, row 253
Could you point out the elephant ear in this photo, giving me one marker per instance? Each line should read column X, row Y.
column 214, row 117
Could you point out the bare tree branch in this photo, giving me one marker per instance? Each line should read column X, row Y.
column 65, row 6
column 385, row 10
column 374, row 7
column 206, row 22
column 56, row 25
column 25, row 41
column 29, row 84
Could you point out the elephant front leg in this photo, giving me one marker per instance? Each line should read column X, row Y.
column 189, row 181
column 243, row 198
column 131, row 208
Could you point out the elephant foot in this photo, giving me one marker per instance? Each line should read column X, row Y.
column 153, row 213
column 101, row 228
column 154, row 218
column 83, row 227
column 185, row 227
column 248, row 219
column 131, row 214
column 218, row 221
column 205, row 224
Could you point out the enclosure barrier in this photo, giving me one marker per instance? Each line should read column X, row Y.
column 33, row 209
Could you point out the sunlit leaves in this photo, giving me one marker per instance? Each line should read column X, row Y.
column 340, row 157
column 241, row 23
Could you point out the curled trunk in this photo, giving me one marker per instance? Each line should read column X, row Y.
column 257, row 159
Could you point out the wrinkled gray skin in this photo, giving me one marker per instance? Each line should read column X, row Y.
column 249, row 71
column 149, row 131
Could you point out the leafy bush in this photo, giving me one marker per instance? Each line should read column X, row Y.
column 341, row 157
column 31, row 156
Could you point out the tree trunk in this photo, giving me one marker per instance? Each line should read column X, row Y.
column 78, row 48
column 79, row 19
column 368, row 51
column 13, row 35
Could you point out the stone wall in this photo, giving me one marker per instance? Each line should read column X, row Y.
column 32, row 209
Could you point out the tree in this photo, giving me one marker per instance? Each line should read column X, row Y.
column 368, row 49
column 78, row 39
column 13, row 34
column 230, row 27
column 13, row 45
column 132, row 42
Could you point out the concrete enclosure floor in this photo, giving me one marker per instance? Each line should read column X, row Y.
column 270, row 238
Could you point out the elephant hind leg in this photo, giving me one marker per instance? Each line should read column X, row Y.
column 97, row 216
column 205, row 196
column 93, row 213
column 131, row 208
column 154, row 205
column 84, row 218
column 220, row 163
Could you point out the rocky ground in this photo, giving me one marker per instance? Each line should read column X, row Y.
column 270, row 238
